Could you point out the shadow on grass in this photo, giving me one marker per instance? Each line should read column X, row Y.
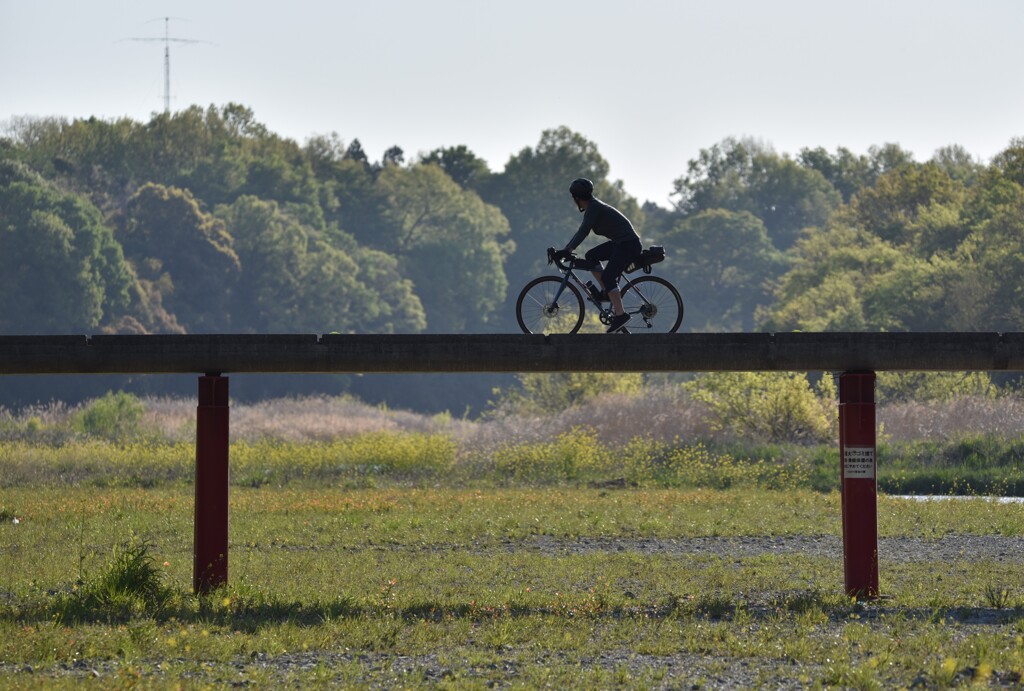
column 247, row 615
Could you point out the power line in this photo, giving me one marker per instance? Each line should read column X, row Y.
column 167, row 40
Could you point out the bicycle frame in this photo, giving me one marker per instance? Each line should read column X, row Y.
column 605, row 312
column 566, row 275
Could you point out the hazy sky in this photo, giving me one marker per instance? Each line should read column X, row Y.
column 650, row 82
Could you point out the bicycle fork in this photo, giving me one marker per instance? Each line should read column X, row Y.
column 553, row 307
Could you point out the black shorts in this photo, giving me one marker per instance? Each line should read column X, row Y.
column 618, row 255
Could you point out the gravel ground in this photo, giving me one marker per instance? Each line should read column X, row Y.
column 388, row 670
column 392, row 670
column 891, row 550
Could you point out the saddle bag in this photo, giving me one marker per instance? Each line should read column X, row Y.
column 651, row 255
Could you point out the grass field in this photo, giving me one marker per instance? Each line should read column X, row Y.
column 517, row 587
column 419, row 554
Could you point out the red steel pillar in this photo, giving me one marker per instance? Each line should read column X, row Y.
column 210, row 556
column 857, row 452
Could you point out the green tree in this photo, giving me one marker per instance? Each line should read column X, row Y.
column 393, row 156
column 981, row 296
column 888, row 157
column 462, row 165
column 360, row 205
column 746, row 175
column 848, row 172
column 61, row 270
column 958, row 164
column 892, row 207
column 218, row 153
column 844, row 170
column 449, row 242
column 658, row 221
column 295, row 278
column 324, row 152
column 185, row 254
column 393, row 306
column 920, row 249
column 355, row 152
column 93, row 157
column 723, row 262
column 988, row 293
column 1010, row 162
column 846, row 279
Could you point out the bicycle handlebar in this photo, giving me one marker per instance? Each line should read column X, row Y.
column 558, row 263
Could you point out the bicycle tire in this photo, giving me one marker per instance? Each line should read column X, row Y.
column 656, row 302
column 534, row 310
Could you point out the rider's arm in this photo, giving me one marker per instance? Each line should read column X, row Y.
column 585, row 227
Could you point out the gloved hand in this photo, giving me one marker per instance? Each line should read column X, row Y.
column 562, row 255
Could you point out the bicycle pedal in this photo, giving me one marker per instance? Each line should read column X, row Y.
column 623, row 330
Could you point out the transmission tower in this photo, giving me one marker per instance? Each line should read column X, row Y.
column 167, row 41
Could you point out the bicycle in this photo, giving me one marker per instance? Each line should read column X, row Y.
column 555, row 305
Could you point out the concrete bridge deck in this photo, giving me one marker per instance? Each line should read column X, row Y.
column 690, row 352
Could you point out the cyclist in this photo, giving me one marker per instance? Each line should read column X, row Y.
column 623, row 245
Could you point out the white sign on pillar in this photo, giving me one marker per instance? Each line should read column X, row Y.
column 859, row 462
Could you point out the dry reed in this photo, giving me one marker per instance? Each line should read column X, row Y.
column 661, row 413
column 942, row 421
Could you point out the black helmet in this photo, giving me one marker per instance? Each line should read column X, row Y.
column 582, row 188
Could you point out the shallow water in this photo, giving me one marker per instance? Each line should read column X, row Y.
column 968, row 497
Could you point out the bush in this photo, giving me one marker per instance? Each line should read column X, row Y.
column 571, row 456
column 395, row 455
column 115, row 416
column 769, row 406
column 555, row 392
column 697, row 465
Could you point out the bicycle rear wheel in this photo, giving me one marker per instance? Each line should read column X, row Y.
column 656, row 302
column 537, row 312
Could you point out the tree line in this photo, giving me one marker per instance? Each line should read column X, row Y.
column 203, row 220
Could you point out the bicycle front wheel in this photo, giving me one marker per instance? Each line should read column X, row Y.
column 657, row 304
column 538, row 313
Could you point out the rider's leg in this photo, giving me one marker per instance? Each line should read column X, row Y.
column 616, row 297
column 621, row 256
column 598, row 254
